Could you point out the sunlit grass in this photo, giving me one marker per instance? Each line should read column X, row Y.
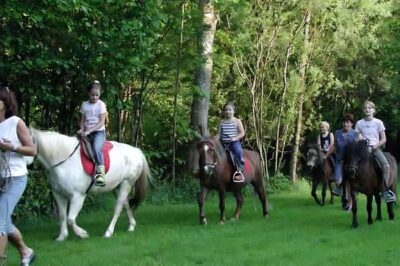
column 298, row 232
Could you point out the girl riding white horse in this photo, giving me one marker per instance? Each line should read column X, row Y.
column 69, row 182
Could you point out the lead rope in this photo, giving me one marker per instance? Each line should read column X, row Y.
column 5, row 178
column 5, row 172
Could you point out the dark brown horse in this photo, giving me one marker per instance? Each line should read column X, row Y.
column 364, row 175
column 322, row 171
column 215, row 172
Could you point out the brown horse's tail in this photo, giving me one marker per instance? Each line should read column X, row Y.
column 140, row 186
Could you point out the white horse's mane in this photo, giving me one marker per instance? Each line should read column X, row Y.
column 53, row 146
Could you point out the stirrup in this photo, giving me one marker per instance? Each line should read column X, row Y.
column 337, row 191
column 99, row 180
column 389, row 196
column 237, row 174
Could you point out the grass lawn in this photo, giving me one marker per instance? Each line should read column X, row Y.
column 298, row 232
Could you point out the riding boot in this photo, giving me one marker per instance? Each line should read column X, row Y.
column 388, row 195
column 100, row 176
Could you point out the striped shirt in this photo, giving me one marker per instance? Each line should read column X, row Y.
column 229, row 130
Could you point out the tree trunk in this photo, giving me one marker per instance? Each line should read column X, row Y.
column 201, row 98
column 299, row 122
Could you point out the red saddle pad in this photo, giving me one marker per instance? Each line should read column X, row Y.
column 88, row 164
column 247, row 166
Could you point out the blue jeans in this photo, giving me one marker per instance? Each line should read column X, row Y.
column 8, row 200
column 338, row 171
column 236, row 148
column 98, row 138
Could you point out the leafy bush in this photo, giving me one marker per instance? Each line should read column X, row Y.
column 186, row 189
column 37, row 199
column 279, row 182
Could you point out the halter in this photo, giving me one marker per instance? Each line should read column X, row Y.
column 208, row 165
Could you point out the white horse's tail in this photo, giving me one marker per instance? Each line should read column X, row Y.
column 140, row 186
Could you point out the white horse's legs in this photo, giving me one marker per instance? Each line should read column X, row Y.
column 74, row 209
column 131, row 219
column 124, row 190
column 62, row 204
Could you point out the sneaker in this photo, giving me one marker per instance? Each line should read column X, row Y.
column 389, row 196
column 99, row 180
column 28, row 260
column 337, row 191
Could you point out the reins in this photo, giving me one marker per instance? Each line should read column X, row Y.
column 59, row 163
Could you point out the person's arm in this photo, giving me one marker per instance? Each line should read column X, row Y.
column 319, row 141
column 357, row 130
column 81, row 124
column 382, row 140
column 26, row 147
column 332, row 145
column 218, row 135
column 240, row 134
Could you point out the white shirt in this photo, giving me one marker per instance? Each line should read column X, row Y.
column 370, row 129
column 92, row 113
column 16, row 163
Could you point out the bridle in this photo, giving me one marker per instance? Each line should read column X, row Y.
column 214, row 162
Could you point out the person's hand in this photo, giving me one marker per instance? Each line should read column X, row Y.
column 6, row 145
column 85, row 133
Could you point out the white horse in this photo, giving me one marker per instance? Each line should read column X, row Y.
column 69, row 182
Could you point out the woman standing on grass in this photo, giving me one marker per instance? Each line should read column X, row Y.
column 15, row 143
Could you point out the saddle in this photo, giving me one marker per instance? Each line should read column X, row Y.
column 87, row 157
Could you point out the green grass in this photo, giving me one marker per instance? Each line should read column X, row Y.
column 298, row 232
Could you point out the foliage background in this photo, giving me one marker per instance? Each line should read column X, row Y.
column 51, row 50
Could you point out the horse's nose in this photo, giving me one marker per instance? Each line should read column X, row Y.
column 209, row 168
column 310, row 164
column 350, row 171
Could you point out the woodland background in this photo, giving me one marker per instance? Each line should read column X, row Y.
column 167, row 68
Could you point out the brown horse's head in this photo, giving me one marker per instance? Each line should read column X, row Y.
column 355, row 153
column 314, row 156
column 210, row 152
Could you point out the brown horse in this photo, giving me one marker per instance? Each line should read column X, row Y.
column 322, row 171
column 364, row 175
column 215, row 172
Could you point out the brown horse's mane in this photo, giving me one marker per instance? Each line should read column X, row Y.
column 359, row 148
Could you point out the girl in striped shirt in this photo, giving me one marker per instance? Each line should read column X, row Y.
column 230, row 131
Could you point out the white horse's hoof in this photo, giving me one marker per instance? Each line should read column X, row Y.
column 131, row 228
column 108, row 234
column 60, row 238
column 83, row 234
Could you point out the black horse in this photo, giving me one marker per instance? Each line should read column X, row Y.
column 321, row 172
column 365, row 176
